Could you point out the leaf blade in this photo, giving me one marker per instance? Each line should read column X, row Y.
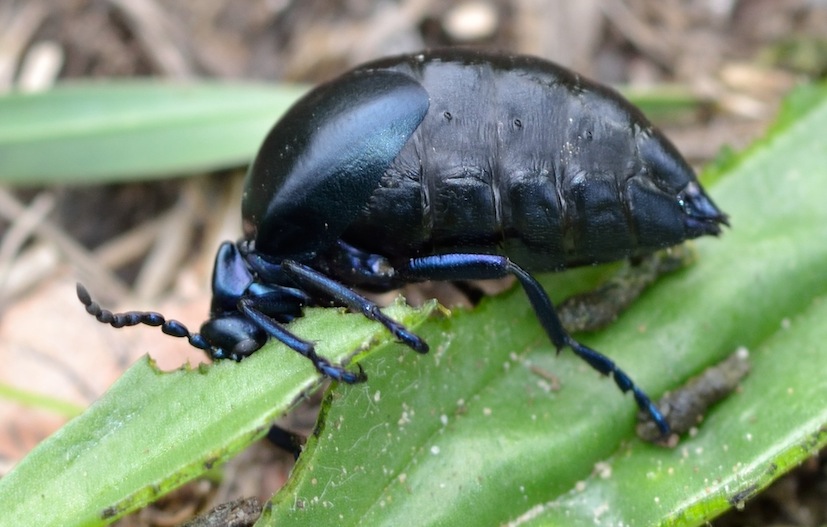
column 91, row 132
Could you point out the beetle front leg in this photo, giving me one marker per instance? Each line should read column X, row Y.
column 248, row 307
column 308, row 278
column 486, row 266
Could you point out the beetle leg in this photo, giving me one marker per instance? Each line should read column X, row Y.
column 358, row 268
column 248, row 307
column 286, row 440
column 486, row 266
column 308, row 278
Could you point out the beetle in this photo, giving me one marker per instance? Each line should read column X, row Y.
column 442, row 165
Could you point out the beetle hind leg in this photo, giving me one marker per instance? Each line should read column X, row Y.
column 559, row 336
column 485, row 266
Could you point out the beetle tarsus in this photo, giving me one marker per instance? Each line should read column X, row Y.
column 606, row 366
column 338, row 373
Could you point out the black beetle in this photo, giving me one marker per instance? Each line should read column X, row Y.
column 441, row 165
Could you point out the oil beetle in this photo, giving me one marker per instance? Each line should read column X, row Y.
column 443, row 165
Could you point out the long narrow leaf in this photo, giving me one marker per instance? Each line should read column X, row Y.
column 110, row 131
column 477, row 434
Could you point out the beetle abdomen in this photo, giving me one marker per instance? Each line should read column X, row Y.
column 515, row 156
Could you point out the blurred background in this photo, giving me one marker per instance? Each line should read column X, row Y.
column 717, row 69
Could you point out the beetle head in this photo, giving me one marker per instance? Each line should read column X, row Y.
column 232, row 336
column 667, row 202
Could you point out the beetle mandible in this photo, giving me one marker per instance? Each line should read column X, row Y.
column 442, row 165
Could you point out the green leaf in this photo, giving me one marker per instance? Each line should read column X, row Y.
column 119, row 130
column 153, row 431
column 36, row 400
column 666, row 103
column 475, row 434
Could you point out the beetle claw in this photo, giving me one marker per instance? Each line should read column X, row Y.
column 338, row 373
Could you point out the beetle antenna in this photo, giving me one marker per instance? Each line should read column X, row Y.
column 134, row 318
